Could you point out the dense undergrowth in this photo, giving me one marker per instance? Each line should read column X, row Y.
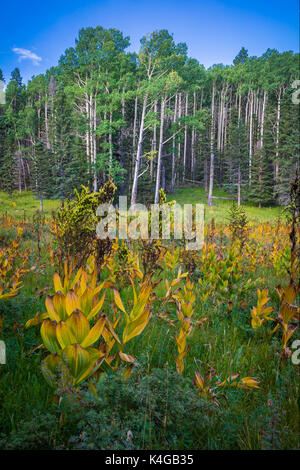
column 207, row 366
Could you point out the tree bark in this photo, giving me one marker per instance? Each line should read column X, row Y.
column 212, row 155
column 160, row 148
column 138, row 153
column 173, row 148
column 193, row 141
column 185, row 138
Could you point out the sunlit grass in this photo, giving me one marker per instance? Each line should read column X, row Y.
column 220, row 207
column 24, row 205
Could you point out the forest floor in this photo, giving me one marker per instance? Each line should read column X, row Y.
column 26, row 204
column 162, row 408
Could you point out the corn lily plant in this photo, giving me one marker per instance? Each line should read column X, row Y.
column 71, row 325
column 261, row 313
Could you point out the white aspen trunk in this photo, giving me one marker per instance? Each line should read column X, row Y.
column 153, row 144
column 94, row 123
column 179, row 144
column 201, row 99
column 212, row 155
column 110, row 145
column 251, row 135
column 160, row 149
column 222, row 127
column 185, row 138
column 134, row 123
column 193, row 141
column 173, row 147
column 277, row 134
column 220, row 120
column 87, row 136
column 262, row 122
column 91, row 137
column 46, row 125
column 224, row 133
column 248, row 107
column 239, row 186
column 138, row 154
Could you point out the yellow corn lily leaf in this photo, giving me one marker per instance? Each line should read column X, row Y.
column 199, row 380
column 280, row 291
column 126, row 357
column 230, row 380
column 82, row 363
column 97, row 308
column 48, row 334
column 136, row 326
column 289, row 294
column 256, row 322
column 105, row 284
column 64, row 335
column 134, row 292
column 179, row 365
column 71, row 302
column 141, row 302
column 83, row 282
column 50, row 308
column 249, row 382
column 66, row 271
column 77, row 359
column 118, row 301
column 288, row 311
column 96, row 359
column 76, row 278
column 112, row 331
column 94, row 334
column 37, row 319
column 288, row 333
column 86, row 301
column 246, row 382
column 57, row 283
column 78, row 326
column 9, row 295
column 59, row 304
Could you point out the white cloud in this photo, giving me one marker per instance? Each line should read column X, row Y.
column 27, row 54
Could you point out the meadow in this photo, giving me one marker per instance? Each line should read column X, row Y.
column 148, row 345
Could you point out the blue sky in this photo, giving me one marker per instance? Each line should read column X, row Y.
column 35, row 33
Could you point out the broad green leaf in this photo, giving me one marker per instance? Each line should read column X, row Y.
column 72, row 302
column 78, row 325
column 118, row 301
column 48, row 334
column 50, row 308
column 77, row 359
column 97, row 308
column 57, row 283
column 64, row 335
column 94, row 334
column 135, row 327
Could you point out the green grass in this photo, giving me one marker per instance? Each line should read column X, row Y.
column 226, row 344
column 218, row 211
column 24, row 205
column 27, row 204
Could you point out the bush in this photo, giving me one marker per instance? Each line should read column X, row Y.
column 155, row 411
